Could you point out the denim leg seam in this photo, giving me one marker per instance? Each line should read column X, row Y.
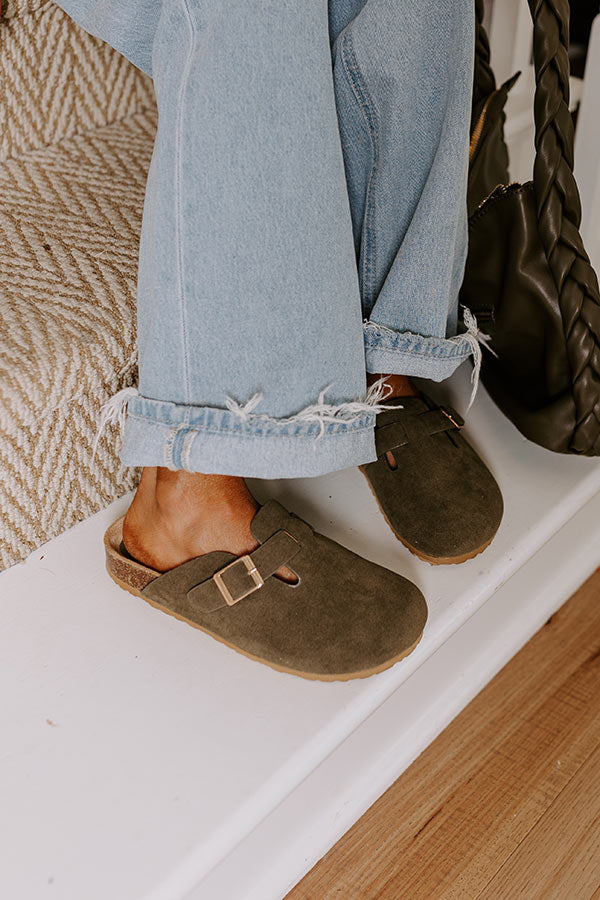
column 188, row 441
column 178, row 194
column 367, row 107
column 169, row 446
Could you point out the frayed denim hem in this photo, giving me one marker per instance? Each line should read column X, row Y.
column 398, row 362
column 240, row 442
column 236, row 440
column 404, row 353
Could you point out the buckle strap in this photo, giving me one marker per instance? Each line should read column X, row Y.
column 246, row 574
column 406, row 428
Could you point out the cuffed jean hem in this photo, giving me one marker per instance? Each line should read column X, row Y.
column 219, row 441
column 403, row 353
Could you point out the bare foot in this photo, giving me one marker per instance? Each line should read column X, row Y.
column 176, row 516
column 401, row 386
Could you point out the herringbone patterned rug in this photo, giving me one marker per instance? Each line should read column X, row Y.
column 56, row 80
column 77, row 133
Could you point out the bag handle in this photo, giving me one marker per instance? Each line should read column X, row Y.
column 556, row 191
column 559, row 215
column 558, row 208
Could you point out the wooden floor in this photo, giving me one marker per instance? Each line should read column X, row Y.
column 506, row 802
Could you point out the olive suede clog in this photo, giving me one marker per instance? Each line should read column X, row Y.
column 344, row 618
column 437, row 495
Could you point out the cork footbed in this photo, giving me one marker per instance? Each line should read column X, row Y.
column 133, row 577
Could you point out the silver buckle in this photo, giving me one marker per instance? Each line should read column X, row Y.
column 253, row 572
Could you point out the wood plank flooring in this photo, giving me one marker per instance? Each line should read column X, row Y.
column 506, row 802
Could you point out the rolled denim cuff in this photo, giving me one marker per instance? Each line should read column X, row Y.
column 403, row 353
column 219, row 441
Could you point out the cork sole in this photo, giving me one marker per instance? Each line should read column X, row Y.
column 118, row 566
column 432, row 560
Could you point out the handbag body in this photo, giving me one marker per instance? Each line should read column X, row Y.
column 528, row 279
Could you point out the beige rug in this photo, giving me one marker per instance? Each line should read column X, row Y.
column 77, row 126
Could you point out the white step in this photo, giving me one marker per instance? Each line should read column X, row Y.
column 142, row 759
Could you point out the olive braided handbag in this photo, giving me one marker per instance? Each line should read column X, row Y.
column 528, row 279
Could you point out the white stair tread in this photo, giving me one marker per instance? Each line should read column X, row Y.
column 138, row 752
column 283, row 847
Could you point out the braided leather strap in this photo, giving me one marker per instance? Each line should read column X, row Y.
column 559, row 217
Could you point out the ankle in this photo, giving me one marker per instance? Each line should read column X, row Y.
column 397, row 385
column 176, row 516
column 190, row 498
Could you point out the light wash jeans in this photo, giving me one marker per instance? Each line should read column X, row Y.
column 304, row 223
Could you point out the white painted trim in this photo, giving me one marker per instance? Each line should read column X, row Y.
column 510, row 35
column 587, row 142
